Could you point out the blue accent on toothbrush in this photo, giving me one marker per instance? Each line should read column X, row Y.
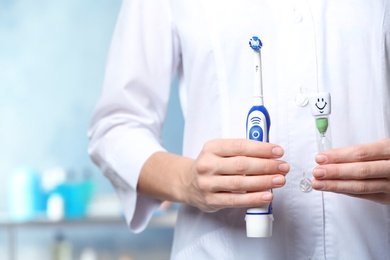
column 269, row 212
column 257, row 124
column 255, row 43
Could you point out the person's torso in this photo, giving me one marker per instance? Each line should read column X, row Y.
column 340, row 47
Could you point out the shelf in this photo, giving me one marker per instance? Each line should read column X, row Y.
column 164, row 220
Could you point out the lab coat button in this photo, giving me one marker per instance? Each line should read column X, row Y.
column 305, row 185
column 297, row 17
column 301, row 99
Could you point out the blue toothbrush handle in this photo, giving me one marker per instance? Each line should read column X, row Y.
column 258, row 124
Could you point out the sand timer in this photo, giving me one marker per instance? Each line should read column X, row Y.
column 321, row 108
column 320, row 104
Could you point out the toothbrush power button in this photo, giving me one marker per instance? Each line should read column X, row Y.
column 256, row 133
column 301, row 99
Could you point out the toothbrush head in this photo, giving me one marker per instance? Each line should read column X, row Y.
column 255, row 43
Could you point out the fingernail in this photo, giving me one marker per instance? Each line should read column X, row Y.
column 319, row 173
column 278, row 151
column 321, row 158
column 318, row 185
column 267, row 196
column 284, row 167
column 278, row 180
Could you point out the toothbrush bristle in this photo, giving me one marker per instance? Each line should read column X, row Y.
column 255, row 43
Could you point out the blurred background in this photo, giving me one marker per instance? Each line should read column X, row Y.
column 54, row 202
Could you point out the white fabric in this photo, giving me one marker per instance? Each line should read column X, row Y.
column 341, row 47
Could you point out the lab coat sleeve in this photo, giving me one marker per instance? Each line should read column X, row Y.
column 125, row 128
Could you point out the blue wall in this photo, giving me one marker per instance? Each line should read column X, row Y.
column 52, row 59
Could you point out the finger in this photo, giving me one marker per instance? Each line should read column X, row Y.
column 237, row 200
column 244, row 147
column 251, row 166
column 353, row 171
column 352, row 186
column 244, row 183
column 379, row 150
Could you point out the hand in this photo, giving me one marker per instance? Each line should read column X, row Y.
column 361, row 171
column 235, row 173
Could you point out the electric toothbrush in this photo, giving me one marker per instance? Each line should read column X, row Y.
column 258, row 220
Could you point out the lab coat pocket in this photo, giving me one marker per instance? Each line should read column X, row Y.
column 207, row 246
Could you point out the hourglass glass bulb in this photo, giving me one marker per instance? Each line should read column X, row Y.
column 324, row 144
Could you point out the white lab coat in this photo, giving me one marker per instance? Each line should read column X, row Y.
column 336, row 46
